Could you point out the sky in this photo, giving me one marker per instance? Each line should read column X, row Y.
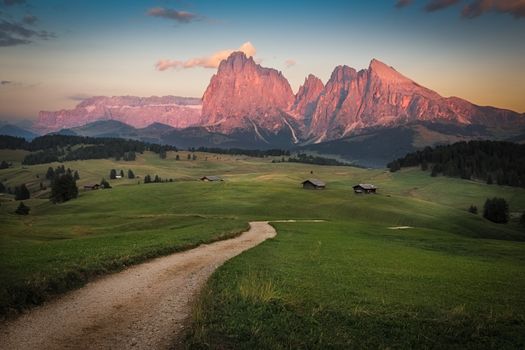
column 54, row 53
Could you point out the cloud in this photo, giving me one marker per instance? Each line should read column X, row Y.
column 475, row 8
column 13, row 33
column 5, row 82
column 211, row 61
column 436, row 5
column 29, row 19
column 178, row 16
column 290, row 63
column 13, row 2
column 403, row 3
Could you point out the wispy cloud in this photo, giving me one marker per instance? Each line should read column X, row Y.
column 13, row 33
column 29, row 19
column 403, row 3
column 211, row 61
column 290, row 63
column 436, row 5
column 5, row 82
column 13, row 2
column 476, row 8
column 175, row 15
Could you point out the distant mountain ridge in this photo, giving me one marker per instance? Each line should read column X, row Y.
column 180, row 112
column 250, row 106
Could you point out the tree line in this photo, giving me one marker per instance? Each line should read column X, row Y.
column 491, row 161
column 55, row 148
column 310, row 159
column 245, row 152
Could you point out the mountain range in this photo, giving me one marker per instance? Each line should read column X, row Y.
column 250, row 106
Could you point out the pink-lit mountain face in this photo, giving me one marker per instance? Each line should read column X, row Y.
column 179, row 112
column 381, row 97
column 243, row 96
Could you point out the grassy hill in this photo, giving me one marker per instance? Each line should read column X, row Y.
column 452, row 279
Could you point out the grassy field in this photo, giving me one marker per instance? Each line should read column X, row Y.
column 451, row 280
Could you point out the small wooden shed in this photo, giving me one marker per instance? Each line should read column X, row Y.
column 92, row 187
column 211, row 178
column 365, row 188
column 313, row 184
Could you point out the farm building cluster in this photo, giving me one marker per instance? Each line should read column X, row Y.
column 316, row 184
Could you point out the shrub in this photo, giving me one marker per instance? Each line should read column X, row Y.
column 473, row 209
column 22, row 209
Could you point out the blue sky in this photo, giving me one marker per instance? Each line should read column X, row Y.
column 83, row 48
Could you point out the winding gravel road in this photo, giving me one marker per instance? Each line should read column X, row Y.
column 143, row 307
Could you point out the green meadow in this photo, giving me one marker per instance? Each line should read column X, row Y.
column 450, row 280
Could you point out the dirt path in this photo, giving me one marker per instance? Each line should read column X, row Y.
column 143, row 307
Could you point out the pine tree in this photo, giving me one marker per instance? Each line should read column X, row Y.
column 64, row 188
column 121, row 173
column 104, row 184
column 112, row 174
column 4, row 165
column 50, row 174
column 22, row 192
column 22, row 209
column 496, row 210
column 157, row 179
column 473, row 209
column 189, row 156
column 131, row 175
column 2, row 188
column 76, row 176
column 147, row 179
column 177, row 157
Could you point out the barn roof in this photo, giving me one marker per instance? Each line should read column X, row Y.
column 315, row 182
column 366, row 186
column 211, row 178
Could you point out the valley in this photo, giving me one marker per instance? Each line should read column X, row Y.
column 346, row 279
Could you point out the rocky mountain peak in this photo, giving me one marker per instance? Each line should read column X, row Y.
column 242, row 91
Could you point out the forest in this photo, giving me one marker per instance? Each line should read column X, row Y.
column 498, row 162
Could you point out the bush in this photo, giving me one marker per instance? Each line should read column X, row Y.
column 22, row 209
column 473, row 209
column 496, row 210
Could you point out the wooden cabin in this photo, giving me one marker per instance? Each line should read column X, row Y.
column 92, row 187
column 313, row 184
column 365, row 188
column 211, row 178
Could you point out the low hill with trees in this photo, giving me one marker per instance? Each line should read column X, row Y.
column 56, row 148
column 497, row 162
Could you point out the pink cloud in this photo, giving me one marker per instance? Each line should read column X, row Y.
column 211, row 61
column 290, row 63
